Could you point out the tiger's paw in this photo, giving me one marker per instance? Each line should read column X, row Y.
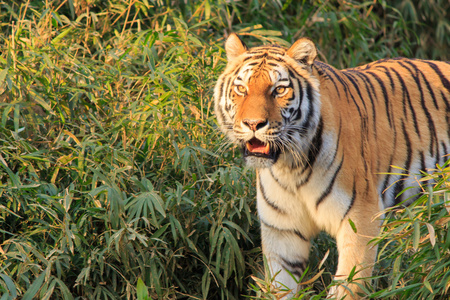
column 339, row 292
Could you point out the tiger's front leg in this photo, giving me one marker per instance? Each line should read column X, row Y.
column 355, row 251
column 287, row 253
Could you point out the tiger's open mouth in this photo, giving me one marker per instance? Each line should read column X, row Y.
column 257, row 148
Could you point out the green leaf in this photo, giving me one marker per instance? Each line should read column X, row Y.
column 416, row 235
column 207, row 16
column 3, row 74
column 15, row 179
column 430, row 200
column 160, row 231
column 60, row 36
column 10, row 285
column 352, row 225
column 206, row 281
column 34, row 288
column 427, row 284
column 141, row 290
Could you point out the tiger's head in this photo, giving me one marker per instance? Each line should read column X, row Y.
column 267, row 101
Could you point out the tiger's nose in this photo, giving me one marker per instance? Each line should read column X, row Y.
column 255, row 125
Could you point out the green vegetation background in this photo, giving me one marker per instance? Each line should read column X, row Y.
column 114, row 180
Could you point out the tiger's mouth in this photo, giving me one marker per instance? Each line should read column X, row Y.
column 255, row 147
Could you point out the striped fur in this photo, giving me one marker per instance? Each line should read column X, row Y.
column 322, row 141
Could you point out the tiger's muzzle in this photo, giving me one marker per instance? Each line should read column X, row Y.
column 259, row 154
column 257, row 151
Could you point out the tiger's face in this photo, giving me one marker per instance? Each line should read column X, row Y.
column 267, row 101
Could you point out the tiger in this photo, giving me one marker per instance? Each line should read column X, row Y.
column 323, row 143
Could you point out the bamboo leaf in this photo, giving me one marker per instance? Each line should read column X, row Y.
column 10, row 285
column 416, row 235
column 34, row 287
column 141, row 290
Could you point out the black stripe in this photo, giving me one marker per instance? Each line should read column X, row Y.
column 228, row 89
column 364, row 140
column 311, row 111
column 330, row 186
column 291, row 86
column 276, row 58
column 288, row 231
column 352, row 199
column 223, row 95
column 254, row 57
column 332, row 71
column 431, row 126
column 341, row 81
column 294, row 265
column 236, row 71
column 356, row 86
column 320, row 71
column 300, row 235
column 364, row 118
column 438, row 71
column 267, row 56
column 277, row 180
column 423, row 167
column 292, row 73
column 315, row 146
column 222, row 84
column 266, row 199
column 309, row 93
column 388, row 74
column 348, row 92
column 306, row 179
column 400, row 184
column 295, row 268
column 407, row 98
column 386, row 179
column 301, row 95
column 370, row 90
column 430, row 90
column 324, row 68
column 385, row 95
column 263, row 49
column 447, row 117
column 444, row 147
column 336, row 148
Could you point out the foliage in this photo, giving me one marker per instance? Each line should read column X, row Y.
column 113, row 180
column 414, row 253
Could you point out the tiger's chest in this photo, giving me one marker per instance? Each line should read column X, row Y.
column 300, row 201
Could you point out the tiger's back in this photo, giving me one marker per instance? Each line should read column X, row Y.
column 400, row 116
column 323, row 142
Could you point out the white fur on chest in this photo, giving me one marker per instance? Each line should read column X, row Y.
column 286, row 205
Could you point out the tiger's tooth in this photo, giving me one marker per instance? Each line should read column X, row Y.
column 249, row 147
column 267, row 149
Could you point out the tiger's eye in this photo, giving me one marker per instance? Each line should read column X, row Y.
column 241, row 89
column 280, row 90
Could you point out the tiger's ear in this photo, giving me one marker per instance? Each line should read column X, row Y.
column 304, row 51
column 234, row 47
